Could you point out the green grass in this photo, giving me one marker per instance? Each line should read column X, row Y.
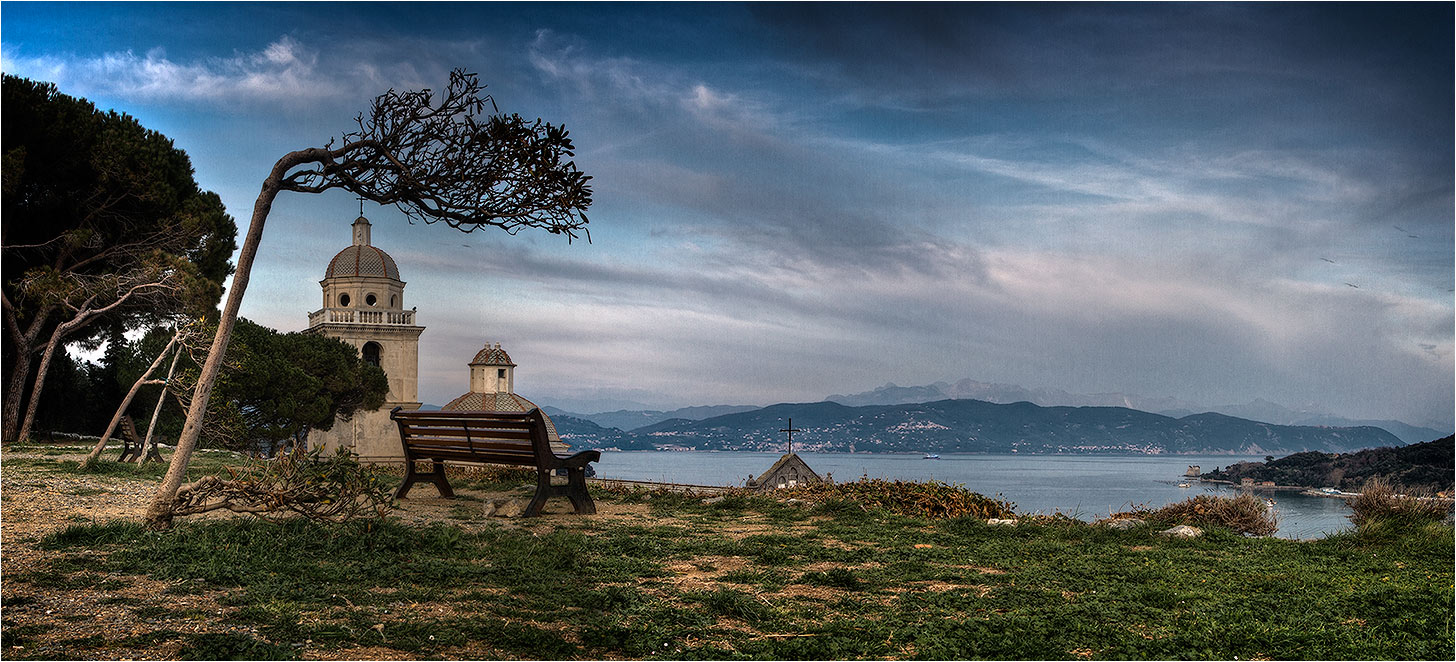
column 822, row 581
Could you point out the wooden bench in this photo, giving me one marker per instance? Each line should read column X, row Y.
column 131, row 442
column 489, row 437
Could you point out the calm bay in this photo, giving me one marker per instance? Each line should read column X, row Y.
column 1082, row 486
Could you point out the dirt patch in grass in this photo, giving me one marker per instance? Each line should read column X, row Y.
column 374, row 653
column 809, row 592
column 985, row 570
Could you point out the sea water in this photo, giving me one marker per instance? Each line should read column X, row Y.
column 1081, row 486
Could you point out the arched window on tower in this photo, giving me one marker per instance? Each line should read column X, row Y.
column 371, row 352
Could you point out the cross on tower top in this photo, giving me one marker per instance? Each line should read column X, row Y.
column 791, row 430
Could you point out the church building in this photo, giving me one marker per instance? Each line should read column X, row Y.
column 363, row 305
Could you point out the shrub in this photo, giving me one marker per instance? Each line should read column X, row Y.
column 931, row 499
column 1244, row 513
column 1379, row 500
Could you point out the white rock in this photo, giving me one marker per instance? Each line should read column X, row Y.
column 1001, row 522
column 1124, row 524
column 1182, row 531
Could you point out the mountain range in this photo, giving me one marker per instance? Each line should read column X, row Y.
column 642, row 428
column 1257, row 410
column 971, row 426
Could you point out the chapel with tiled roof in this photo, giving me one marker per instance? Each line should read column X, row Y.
column 492, row 388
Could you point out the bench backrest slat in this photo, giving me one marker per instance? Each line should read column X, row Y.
column 486, row 436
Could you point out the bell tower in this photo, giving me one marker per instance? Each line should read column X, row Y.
column 363, row 305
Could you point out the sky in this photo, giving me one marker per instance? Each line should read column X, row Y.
column 1210, row 202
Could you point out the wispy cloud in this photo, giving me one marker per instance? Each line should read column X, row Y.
column 284, row 71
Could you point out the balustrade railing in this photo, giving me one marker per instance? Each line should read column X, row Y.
column 361, row 316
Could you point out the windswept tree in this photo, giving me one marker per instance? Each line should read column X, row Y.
column 436, row 160
column 105, row 229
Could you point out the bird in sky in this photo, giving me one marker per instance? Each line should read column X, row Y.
column 1328, row 260
column 1353, row 285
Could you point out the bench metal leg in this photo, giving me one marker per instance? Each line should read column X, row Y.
column 437, row 476
column 544, row 490
column 576, row 491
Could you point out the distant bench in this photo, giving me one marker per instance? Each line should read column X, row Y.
column 490, row 437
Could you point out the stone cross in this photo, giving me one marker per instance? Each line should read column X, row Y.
column 791, row 430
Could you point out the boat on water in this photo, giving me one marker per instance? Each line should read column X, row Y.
column 932, row 456
column 1184, row 485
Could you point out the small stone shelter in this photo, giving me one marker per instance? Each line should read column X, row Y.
column 789, row 471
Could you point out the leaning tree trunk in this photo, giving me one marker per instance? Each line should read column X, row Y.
column 40, row 376
column 15, row 390
column 24, row 353
column 159, row 513
column 149, row 448
column 126, row 402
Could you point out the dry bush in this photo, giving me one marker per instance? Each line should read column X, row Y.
column 931, row 499
column 1380, row 500
column 1244, row 513
column 492, row 474
column 301, row 482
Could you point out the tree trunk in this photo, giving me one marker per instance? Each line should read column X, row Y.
column 14, row 390
column 24, row 351
column 126, row 402
column 149, row 448
column 40, row 375
column 159, row 513
column 84, row 315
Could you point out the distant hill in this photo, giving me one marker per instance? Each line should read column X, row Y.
column 1256, row 410
column 974, row 426
column 1410, row 434
column 581, row 434
column 630, row 419
column 1429, row 464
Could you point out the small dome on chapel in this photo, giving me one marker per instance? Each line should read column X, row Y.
column 492, row 355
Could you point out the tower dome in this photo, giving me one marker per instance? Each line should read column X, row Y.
column 362, row 259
